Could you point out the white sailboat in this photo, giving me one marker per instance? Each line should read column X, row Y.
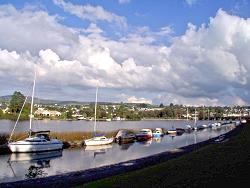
column 98, row 139
column 36, row 141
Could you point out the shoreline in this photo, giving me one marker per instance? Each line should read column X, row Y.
column 85, row 176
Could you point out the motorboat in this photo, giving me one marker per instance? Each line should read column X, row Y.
column 172, row 131
column 180, row 131
column 144, row 134
column 124, row 136
column 36, row 142
column 158, row 132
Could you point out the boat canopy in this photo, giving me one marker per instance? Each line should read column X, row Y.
column 99, row 135
column 40, row 132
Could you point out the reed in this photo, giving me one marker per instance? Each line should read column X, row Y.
column 78, row 136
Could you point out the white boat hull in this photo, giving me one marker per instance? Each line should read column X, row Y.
column 25, row 147
column 93, row 142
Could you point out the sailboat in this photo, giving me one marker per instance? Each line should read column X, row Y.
column 36, row 141
column 98, row 139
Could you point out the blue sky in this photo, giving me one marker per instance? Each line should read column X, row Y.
column 150, row 13
column 190, row 52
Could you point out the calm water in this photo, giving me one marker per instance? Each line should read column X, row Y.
column 6, row 126
column 22, row 166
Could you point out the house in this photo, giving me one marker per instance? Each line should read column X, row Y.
column 47, row 113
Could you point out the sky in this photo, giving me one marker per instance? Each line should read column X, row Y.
column 191, row 52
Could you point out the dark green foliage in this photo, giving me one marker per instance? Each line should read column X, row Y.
column 16, row 102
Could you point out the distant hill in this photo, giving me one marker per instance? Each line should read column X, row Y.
column 7, row 98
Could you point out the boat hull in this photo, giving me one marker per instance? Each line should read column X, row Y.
column 157, row 134
column 92, row 142
column 25, row 147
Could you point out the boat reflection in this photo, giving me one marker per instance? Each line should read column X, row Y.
column 147, row 142
column 98, row 149
column 34, row 157
column 125, row 146
column 38, row 161
column 157, row 139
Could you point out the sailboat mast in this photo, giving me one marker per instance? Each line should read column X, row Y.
column 95, row 108
column 195, row 117
column 31, row 105
column 187, row 114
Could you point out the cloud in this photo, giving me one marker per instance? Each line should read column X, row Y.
column 191, row 2
column 33, row 30
column 206, row 65
column 124, row 1
column 92, row 13
column 134, row 99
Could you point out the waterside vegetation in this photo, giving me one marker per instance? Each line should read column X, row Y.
column 9, row 109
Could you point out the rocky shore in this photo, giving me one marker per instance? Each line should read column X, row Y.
column 84, row 176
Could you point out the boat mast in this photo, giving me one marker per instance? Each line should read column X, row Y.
column 31, row 105
column 187, row 114
column 195, row 117
column 95, row 108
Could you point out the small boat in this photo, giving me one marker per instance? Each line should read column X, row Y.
column 36, row 141
column 124, row 136
column 243, row 121
column 180, row 131
column 144, row 134
column 158, row 132
column 172, row 131
column 98, row 139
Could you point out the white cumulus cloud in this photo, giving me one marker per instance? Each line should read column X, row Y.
column 209, row 64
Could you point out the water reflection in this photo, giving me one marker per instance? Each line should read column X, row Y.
column 37, row 165
column 146, row 142
column 37, row 162
column 97, row 150
column 125, row 146
column 158, row 139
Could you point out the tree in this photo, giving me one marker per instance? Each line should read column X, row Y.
column 69, row 114
column 161, row 105
column 1, row 113
column 16, row 102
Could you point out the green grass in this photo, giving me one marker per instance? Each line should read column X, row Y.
column 226, row 164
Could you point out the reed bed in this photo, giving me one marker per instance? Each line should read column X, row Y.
column 78, row 136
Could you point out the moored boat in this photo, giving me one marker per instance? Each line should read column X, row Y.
column 144, row 134
column 124, row 136
column 36, row 141
column 158, row 132
column 98, row 139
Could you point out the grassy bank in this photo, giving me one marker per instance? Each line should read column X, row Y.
column 226, row 164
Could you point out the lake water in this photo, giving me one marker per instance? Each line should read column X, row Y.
column 22, row 166
column 6, row 126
